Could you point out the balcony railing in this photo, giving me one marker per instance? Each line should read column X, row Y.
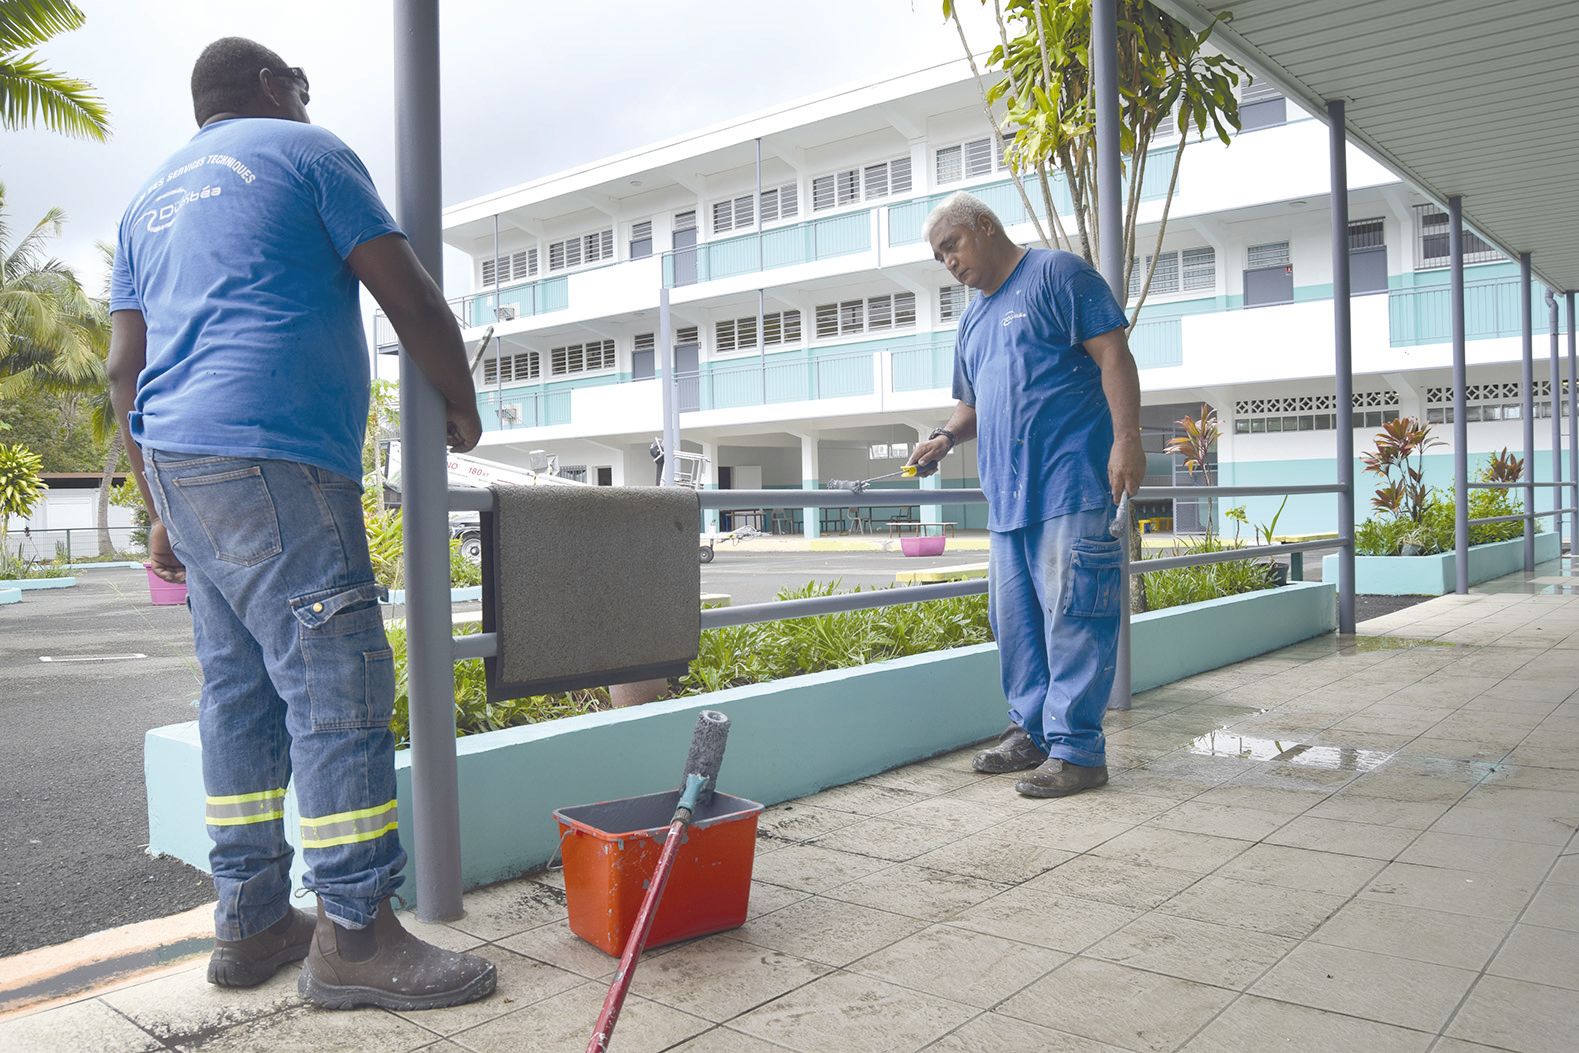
column 481, row 308
column 523, row 408
column 785, row 377
column 1491, row 309
column 817, row 239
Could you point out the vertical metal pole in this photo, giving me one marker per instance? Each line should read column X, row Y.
column 1455, row 251
column 435, row 797
column 498, row 347
column 1343, row 355
column 1527, row 408
column 1557, row 420
column 1110, row 237
column 762, row 348
column 666, row 384
column 1573, row 433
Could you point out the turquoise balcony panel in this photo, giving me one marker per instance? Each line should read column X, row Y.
column 924, row 368
column 1491, row 309
column 523, row 408
column 1157, row 344
column 818, row 239
column 534, row 298
column 1159, row 169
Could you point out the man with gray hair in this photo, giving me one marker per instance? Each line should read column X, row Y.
column 1046, row 383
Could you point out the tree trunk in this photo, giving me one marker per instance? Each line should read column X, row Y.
column 106, row 482
column 1137, row 589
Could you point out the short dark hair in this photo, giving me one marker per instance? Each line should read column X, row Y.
column 225, row 76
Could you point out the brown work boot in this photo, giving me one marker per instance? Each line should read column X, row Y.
column 386, row 966
column 1059, row 778
column 1014, row 752
column 249, row 962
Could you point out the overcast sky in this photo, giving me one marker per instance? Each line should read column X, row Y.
column 530, row 87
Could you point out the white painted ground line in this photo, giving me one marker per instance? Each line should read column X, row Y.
column 90, row 657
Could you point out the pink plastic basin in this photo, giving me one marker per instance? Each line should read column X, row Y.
column 164, row 593
column 923, row 546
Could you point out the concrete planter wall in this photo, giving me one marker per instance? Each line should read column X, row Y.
column 1438, row 575
column 790, row 738
column 35, row 584
column 9, row 596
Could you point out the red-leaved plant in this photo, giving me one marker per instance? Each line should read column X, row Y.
column 1399, row 458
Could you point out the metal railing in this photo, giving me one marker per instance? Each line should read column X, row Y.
column 68, row 542
column 485, row 645
column 1529, row 515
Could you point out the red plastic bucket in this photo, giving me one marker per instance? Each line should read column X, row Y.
column 164, row 593
column 931, row 545
column 611, row 850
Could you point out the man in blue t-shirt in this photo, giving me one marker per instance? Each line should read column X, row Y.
column 240, row 375
column 1046, row 384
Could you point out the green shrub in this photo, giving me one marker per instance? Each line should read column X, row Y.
column 1181, row 585
column 1436, row 532
column 731, row 657
column 463, row 572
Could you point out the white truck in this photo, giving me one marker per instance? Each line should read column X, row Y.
column 465, row 470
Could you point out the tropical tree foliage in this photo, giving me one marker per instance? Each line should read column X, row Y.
column 53, row 334
column 20, row 485
column 1043, row 99
column 31, row 93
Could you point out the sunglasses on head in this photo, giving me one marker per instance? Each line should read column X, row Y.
column 296, row 74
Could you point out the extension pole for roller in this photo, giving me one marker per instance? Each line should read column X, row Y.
column 702, row 763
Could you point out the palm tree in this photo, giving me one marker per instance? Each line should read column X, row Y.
column 52, row 333
column 31, row 94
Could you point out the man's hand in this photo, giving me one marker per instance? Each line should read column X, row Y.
column 161, row 557
column 463, row 427
column 1126, row 467
column 928, row 455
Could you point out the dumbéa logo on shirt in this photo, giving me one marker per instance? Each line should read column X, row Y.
column 1012, row 317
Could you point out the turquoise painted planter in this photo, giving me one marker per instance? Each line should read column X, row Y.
column 791, row 737
column 8, row 596
column 1438, row 575
column 79, row 567
column 35, row 584
column 460, row 595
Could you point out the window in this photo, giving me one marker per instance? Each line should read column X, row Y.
column 1261, row 105
column 585, row 248
column 1431, row 246
column 733, row 213
column 780, row 202
column 952, row 301
column 686, row 335
column 966, row 161
column 1199, row 268
column 1367, row 257
column 581, row 358
column 515, row 267
column 643, row 360
column 778, row 327
column 850, row 185
column 515, row 367
column 1491, row 402
column 1312, row 412
column 886, row 311
column 1185, row 270
column 1268, row 276
column 641, row 239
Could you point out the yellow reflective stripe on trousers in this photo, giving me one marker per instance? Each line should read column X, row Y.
column 240, row 809
column 344, row 828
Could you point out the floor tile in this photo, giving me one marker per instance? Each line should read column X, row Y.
column 523, row 981
column 502, row 910
column 1072, row 833
column 1302, row 869
column 564, row 1024
column 1220, row 820
column 766, row 898
column 307, row 1030
column 1484, row 855
column 994, row 1032
column 1566, row 870
column 885, row 838
column 970, row 967
column 950, row 815
column 1343, row 837
column 1513, row 1014
column 726, row 1040
column 863, row 798
column 1380, row 811
column 827, row 931
column 1542, row 956
column 854, row 1014
column 796, row 821
column 1119, row 881
column 1193, row 950
column 556, row 945
column 1045, row 919
column 919, row 778
column 1254, row 1023
column 82, row 1027
column 717, row 978
column 917, row 892
column 1261, row 907
column 1453, row 891
column 1196, row 853
column 1414, row 932
column 813, row 868
column 994, row 856
column 1554, row 907
column 1121, row 1006
column 184, row 1004
column 1392, row 990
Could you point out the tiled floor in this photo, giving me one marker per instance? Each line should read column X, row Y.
column 1366, row 845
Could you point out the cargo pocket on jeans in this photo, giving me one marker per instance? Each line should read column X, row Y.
column 350, row 666
column 1095, row 580
column 236, row 512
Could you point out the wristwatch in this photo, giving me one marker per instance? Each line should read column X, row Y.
column 952, row 439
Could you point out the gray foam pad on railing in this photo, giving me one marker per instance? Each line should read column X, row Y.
column 592, row 586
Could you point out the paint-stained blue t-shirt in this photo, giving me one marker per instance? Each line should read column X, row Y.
column 234, row 252
column 1044, row 432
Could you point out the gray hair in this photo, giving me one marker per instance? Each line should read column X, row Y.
column 962, row 209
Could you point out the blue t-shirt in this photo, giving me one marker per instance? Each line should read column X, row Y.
column 235, row 255
column 1044, row 432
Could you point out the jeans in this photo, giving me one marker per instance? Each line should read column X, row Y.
column 1055, row 590
column 298, row 679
